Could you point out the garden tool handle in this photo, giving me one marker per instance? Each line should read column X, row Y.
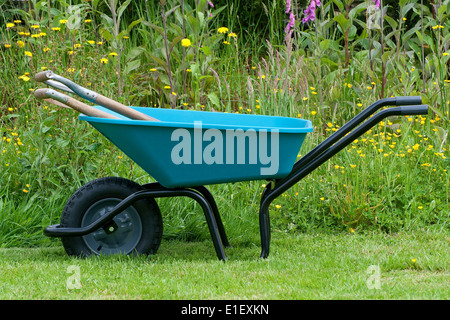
column 58, row 98
column 50, row 78
column 408, row 100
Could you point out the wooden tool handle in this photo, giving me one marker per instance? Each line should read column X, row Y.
column 64, row 84
column 51, row 95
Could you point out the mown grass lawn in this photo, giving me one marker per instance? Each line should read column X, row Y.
column 303, row 266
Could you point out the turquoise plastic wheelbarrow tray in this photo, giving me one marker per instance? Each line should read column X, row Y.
column 186, row 150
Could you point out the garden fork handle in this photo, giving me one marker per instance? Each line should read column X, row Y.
column 50, row 78
column 59, row 99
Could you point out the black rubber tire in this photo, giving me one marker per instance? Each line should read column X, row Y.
column 92, row 200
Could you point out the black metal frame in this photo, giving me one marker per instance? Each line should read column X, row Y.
column 305, row 165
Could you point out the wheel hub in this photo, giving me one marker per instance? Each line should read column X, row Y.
column 120, row 235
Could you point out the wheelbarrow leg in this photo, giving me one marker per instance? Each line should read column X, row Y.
column 209, row 197
column 209, row 209
column 264, row 229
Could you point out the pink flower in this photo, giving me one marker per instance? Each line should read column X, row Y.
column 377, row 3
column 211, row 4
column 310, row 12
column 288, row 6
column 291, row 22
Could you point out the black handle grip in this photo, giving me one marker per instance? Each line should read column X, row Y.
column 414, row 110
column 408, row 101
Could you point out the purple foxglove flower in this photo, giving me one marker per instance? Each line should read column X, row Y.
column 310, row 12
column 288, row 6
column 377, row 3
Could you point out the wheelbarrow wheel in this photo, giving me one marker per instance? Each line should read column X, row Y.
column 136, row 230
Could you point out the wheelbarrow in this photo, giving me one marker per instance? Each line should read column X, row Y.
column 184, row 151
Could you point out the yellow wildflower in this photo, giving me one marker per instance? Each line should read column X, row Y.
column 104, row 60
column 28, row 53
column 185, row 42
column 10, row 25
column 222, row 30
column 21, row 44
column 63, row 21
column 56, row 29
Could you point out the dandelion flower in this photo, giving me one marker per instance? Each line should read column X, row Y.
column 25, row 190
column 7, row 45
column 186, row 42
column 153, row 69
column 232, row 34
column 222, row 30
column 24, row 78
column 10, row 25
column 56, row 28
column 167, row 87
column 34, row 26
column 113, row 54
column 21, row 44
column 104, row 60
column 87, row 20
column 413, row 260
column 63, row 21
column 313, row 113
column 28, row 53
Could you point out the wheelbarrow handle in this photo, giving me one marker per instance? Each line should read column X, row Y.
column 413, row 110
column 60, row 99
column 408, row 100
column 52, row 79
